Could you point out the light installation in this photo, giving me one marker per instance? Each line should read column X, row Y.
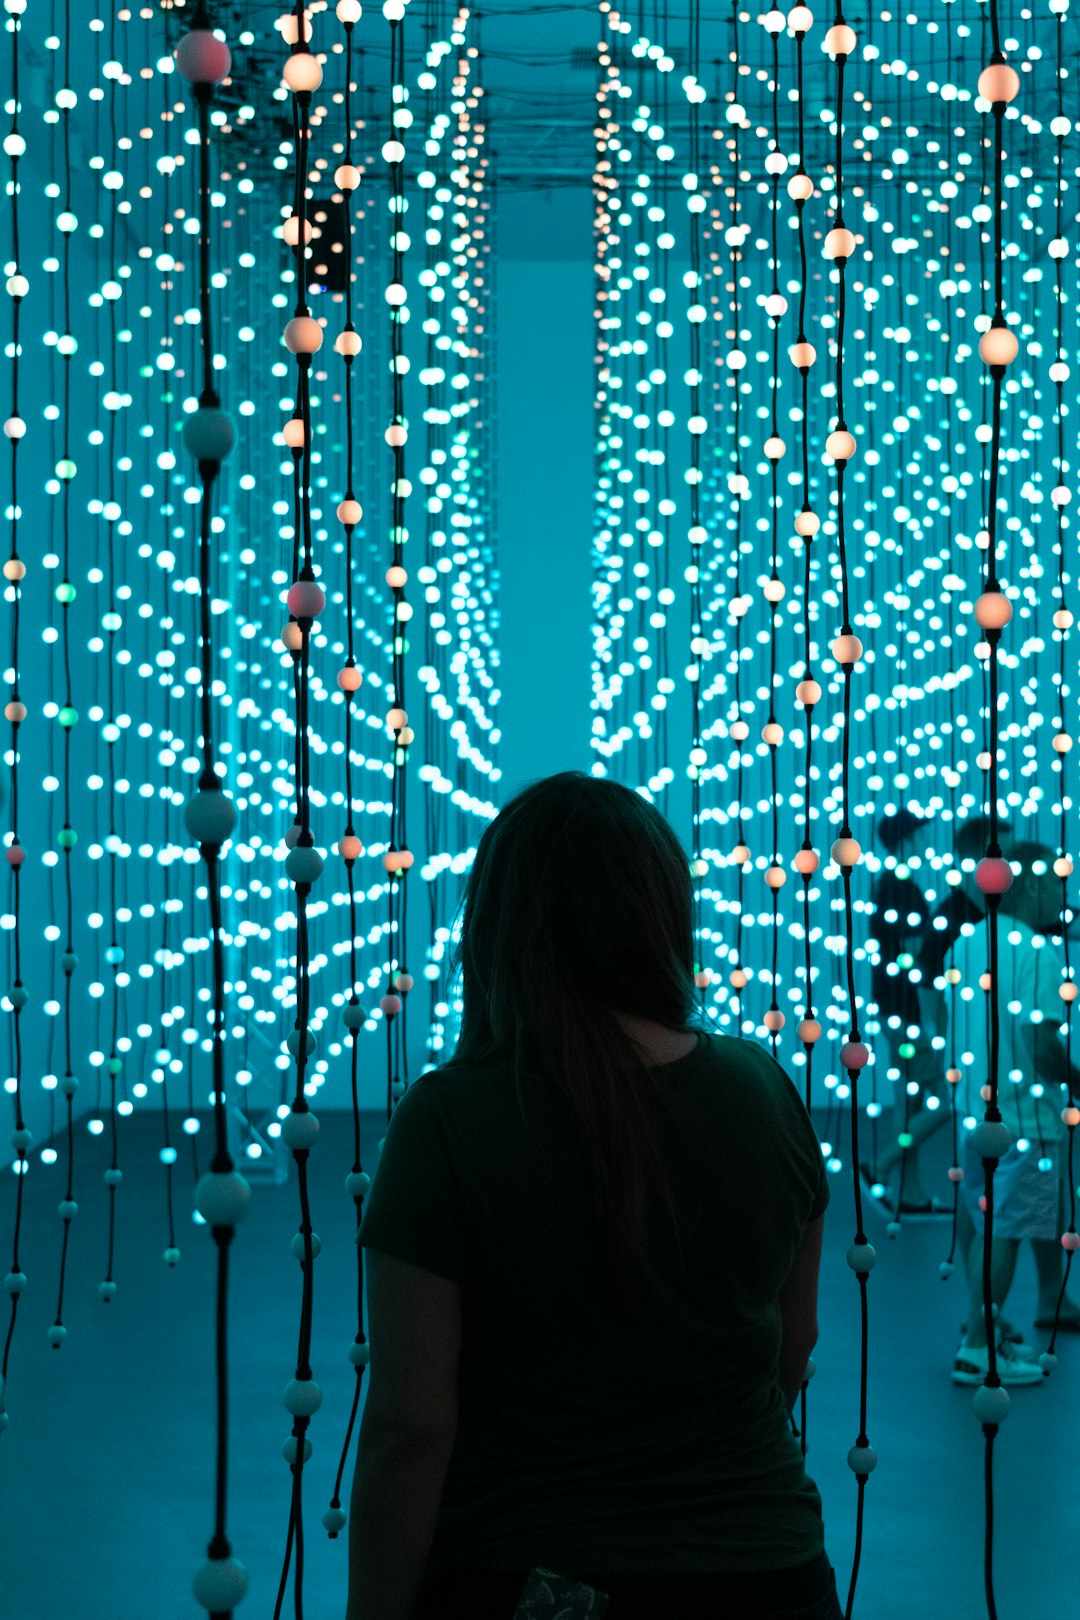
column 833, row 562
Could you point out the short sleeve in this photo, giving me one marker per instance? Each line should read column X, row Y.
column 801, row 1147
column 415, row 1210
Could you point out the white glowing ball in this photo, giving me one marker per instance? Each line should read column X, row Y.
column 847, row 649
column 347, row 177
column 302, row 72
column 290, row 231
column 800, row 19
column 800, row 188
column 839, row 41
column 303, row 335
column 393, row 152
column 840, row 445
column 807, row 524
column 348, row 344
column 840, row 243
column 847, row 852
column 776, row 164
column 349, row 12
column 999, row 83
column 802, row 355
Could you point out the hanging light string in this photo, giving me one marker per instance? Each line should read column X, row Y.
column 800, row 189
column 222, row 1194
column 111, row 732
column 695, row 314
column 65, row 595
column 398, row 857
column 162, row 1055
column 14, row 572
column 847, row 650
column 303, row 336
column 1063, row 623
column 772, row 733
column 738, row 730
column 998, row 86
column 808, row 692
column 349, row 512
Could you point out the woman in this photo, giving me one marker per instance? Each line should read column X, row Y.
column 593, row 1239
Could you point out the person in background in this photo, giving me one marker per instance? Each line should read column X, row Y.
column 900, row 921
column 592, row 1242
column 1033, row 1075
column 962, row 903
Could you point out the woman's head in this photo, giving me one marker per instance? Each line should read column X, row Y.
column 579, row 903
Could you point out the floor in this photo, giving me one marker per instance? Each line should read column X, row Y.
column 106, row 1467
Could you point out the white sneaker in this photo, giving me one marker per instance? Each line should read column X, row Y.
column 972, row 1365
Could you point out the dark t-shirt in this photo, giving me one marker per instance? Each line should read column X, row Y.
column 653, row 1441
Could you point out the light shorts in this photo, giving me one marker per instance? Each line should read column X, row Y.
column 1025, row 1197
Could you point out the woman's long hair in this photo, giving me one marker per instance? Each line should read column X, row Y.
column 578, row 907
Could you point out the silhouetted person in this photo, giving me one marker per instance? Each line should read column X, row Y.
column 593, row 1244
column 1033, row 1081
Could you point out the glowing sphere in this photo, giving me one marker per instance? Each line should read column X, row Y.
column 847, row 650
column 391, row 1005
column 774, row 447
column 303, row 335
column 802, row 355
column 349, row 512
column 202, row 58
column 774, row 1020
column 993, row 610
column 993, row 875
column 349, row 678
column 847, row 852
column 348, row 343
column 292, row 637
column 349, row 847
column 14, row 570
column 840, row 243
column 1070, row 1241
column 396, row 719
column 396, row 435
column 840, row 445
column 854, row 1055
column 302, row 72
column 349, row 12
column 738, row 979
column 1063, row 867
column 800, row 188
column 809, row 1031
column 806, row 862
column 403, row 982
column 293, row 433
column 306, row 599
column 839, row 41
column 807, row 524
column 808, row 693
column 290, row 231
column 999, row 83
column 1067, row 990
column 396, row 577
column 774, row 590
column 740, row 854
column 775, row 877
column 998, row 346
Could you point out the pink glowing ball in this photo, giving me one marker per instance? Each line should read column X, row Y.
column 202, row 58
column 955, row 1173
column 15, row 854
column 391, row 1005
column 1070, row 1241
column 854, row 1054
column 306, row 599
column 993, row 875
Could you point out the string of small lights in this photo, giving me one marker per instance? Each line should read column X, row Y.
column 847, row 650
column 222, row 1194
column 999, row 84
column 398, row 858
column 17, row 287
column 772, row 733
column 348, row 345
column 303, row 336
column 696, row 203
column 1060, row 127
column 802, row 354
